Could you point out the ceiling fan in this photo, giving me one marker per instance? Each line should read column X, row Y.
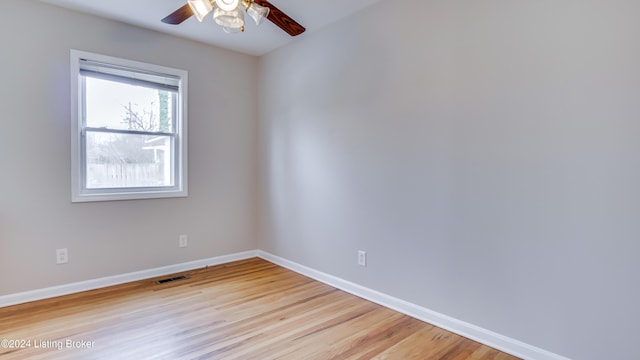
column 229, row 14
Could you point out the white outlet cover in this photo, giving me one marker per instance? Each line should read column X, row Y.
column 362, row 258
column 184, row 241
column 62, row 256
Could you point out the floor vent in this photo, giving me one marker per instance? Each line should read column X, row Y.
column 168, row 280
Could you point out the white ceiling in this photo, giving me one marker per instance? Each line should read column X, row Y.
column 312, row 14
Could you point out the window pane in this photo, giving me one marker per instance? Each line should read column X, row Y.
column 125, row 160
column 116, row 105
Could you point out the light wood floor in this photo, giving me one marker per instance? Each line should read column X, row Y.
column 250, row 309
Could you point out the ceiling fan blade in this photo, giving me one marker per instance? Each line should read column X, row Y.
column 179, row 15
column 282, row 20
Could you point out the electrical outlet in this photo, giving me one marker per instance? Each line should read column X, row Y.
column 62, row 256
column 362, row 258
column 183, row 241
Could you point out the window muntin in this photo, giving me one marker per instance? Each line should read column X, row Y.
column 130, row 130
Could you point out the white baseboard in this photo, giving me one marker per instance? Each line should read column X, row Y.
column 484, row 336
column 39, row 294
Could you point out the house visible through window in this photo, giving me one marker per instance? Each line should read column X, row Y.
column 129, row 129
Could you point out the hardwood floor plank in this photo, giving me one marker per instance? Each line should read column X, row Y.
column 248, row 309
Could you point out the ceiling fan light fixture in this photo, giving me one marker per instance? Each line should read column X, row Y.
column 258, row 12
column 236, row 21
column 200, row 8
column 233, row 19
column 228, row 5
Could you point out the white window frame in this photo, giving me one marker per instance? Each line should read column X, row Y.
column 79, row 190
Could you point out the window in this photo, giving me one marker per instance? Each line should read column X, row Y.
column 128, row 129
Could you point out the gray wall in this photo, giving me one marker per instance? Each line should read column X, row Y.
column 485, row 153
column 109, row 238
